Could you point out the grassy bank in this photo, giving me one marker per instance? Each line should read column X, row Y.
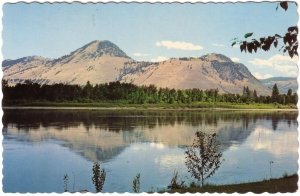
column 194, row 105
column 283, row 185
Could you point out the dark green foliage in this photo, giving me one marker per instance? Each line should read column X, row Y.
column 248, row 35
column 66, row 180
column 275, row 93
column 250, row 96
column 126, row 93
column 174, row 184
column 203, row 157
column 289, row 93
column 136, row 184
column 289, row 39
column 290, row 98
column 98, row 177
column 282, row 185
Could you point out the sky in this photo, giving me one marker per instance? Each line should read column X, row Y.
column 150, row 32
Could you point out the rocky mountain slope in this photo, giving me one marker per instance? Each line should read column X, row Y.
column 283, row 83
column 207, row 72
column 103, row 61
column 98, row 62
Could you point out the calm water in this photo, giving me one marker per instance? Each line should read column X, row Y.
column 40, row 146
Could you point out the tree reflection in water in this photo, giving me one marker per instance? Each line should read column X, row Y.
column 101, row 135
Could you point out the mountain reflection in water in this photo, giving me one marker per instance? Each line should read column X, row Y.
column 101, row 135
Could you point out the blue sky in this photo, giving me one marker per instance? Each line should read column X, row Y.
column 149, row 31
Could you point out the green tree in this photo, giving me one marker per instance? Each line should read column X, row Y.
column 203, row 157
column 87, row 90
column 290, row 92
column 98, row 177
column 294, row 98
column 289, row 96
column 136, row 184
column 275, row 93
column 66, row 180
column 255, row 95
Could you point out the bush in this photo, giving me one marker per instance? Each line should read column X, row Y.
column 174, row 184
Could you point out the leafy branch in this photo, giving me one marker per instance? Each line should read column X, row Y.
column 290, row 42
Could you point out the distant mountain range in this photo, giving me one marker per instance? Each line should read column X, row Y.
column 103, row 61
column 283, row 83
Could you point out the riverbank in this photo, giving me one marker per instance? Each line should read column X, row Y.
column 159, row 106
column 285, row 184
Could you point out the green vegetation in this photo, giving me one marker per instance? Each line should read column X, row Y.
column 175, row 184
column 282, row 185
column 203, row 157
column 158, row 106
column 116, row 94
column 66, row 181
column 136, row 184
column 98, row 177
column 202, row 160
column 289, row 39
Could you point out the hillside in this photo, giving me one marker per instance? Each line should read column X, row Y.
column 98, row 62
column 207, row 72
column 103, row 61
column 283, row 83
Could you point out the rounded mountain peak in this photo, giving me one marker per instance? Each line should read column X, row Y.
column 217, row 57
column 100, row 48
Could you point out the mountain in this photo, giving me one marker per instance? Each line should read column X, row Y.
column 98, row 62
column 118, row 133
column 26, row 68
column 103, row 61
column 283, row 83
column 207, row 72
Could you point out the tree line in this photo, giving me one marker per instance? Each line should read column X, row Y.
column 133, row 94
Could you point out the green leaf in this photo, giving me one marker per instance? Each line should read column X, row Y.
column 233, row 43
column 248, row 35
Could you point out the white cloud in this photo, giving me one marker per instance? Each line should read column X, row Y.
column 138, row 54
column 265, row 139
column 261, row 62
column 178, row 45
column 157, row 145
column 262, row 76
column 218, row 45
column 170, row 161
column 235, row 59
column 283, row 64
column 159, row 58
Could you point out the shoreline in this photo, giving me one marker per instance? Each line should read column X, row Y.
column 285, row 184
column 144, row 108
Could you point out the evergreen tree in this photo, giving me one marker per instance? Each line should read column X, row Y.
column 132, row 94
column 255, row 94
column 290, row 92
column 87, row 90
column 275, row 93
column 136, row 184
column 289, row 96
